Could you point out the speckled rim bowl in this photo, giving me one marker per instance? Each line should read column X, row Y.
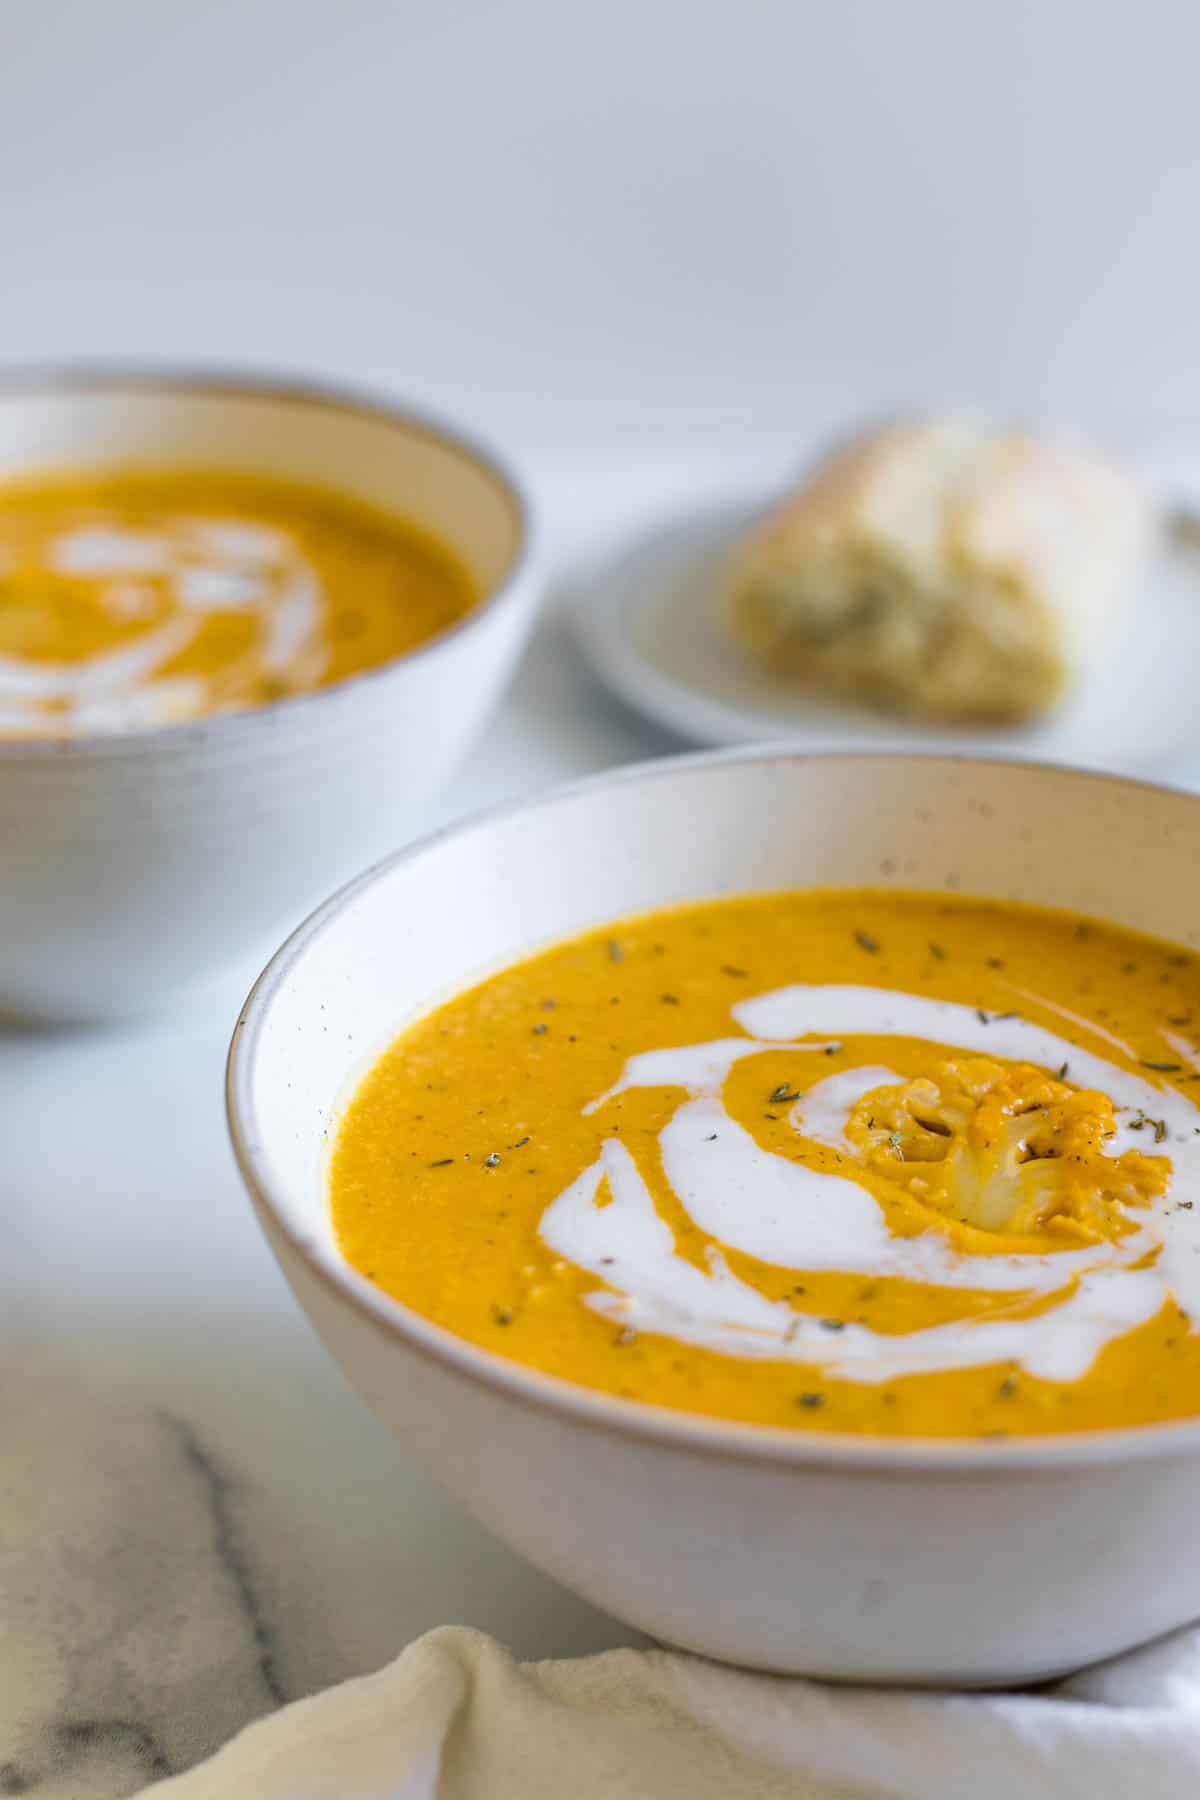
column 926, row 1560
column 147, row 859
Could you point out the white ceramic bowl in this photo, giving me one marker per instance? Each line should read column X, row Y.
column 134, row 864
column 923, row 1561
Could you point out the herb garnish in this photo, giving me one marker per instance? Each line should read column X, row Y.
column 833, row 1049
column 783, row 1094
column 1062, row 1073
column 1160, row 1130
column 737, row 974
column 669, row 999
column 502, row 1315
column 866, row 942
column 810, row 1400
column 936, row 951
column 520, row 1143
column 832, row 1324
column 492, row 1161
column 1162, row 1068
column 443, row 1162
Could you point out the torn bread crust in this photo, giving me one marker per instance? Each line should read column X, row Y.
column 943, row 571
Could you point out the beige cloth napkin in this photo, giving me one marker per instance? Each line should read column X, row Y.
column 455, row 1718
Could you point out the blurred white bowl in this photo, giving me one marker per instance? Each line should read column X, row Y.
column 135, row 863
column 959, row 1561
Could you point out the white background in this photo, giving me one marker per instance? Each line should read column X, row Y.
column 661, row 218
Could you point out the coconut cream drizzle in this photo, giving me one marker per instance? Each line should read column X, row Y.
column 194, row 567
column 745, row 1198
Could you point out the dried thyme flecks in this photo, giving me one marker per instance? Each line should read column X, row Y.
column 783, row 1095
column 937, row 953
column 810, row 1401
column 502, row 1315
column 866, row 942
column 736, row 973
column 443, row 1162
column 1162, row 1068
column 1063, row 1071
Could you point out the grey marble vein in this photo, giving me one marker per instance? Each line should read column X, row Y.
column 132, row 1630
column 230, row 1552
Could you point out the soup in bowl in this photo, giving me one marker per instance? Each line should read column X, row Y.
column 762, row 1187
column 246, row 630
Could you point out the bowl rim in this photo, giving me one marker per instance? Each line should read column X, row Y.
column 314, row 393
column 666, row 1427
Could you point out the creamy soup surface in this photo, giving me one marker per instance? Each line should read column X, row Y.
column 133, row 599
column 850, row 1161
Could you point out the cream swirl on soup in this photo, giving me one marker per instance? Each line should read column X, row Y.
column 131, row 600
column 780, row 1211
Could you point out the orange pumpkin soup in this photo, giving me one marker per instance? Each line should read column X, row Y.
column 850, row 1161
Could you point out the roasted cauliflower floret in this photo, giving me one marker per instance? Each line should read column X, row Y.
column 1006, row 1148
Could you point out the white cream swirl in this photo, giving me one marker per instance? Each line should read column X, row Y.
column 175, row 575
column 784, row 1213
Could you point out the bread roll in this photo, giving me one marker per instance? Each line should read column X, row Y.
column 942, row 570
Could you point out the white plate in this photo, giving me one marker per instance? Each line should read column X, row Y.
column 649, row 623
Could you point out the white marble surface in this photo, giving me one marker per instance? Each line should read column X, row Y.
column 197, row 1519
